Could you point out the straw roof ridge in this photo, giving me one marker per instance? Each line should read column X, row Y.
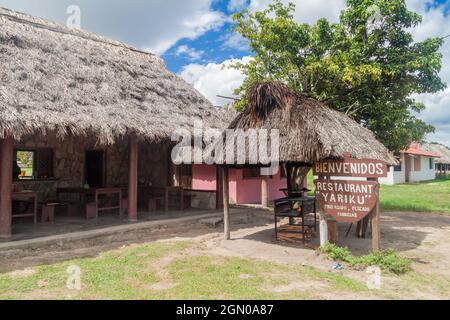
column 309, row 130
column 439, row 149
column 72, row 82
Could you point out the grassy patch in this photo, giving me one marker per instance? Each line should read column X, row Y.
column 115, row 274
column 430, row 196
column 387, row 260
column 135, row 273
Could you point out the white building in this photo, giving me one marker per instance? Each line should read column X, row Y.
column 416, row 164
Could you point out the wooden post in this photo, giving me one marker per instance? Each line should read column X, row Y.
column 264, row 192
column 332, row 226
column 6, row 178
column 375, row 222
column 226, row 203
column 219, row 188
column 133, row 179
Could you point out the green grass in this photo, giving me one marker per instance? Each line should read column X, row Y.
column 170, row 271
column 433, row 196
column 129, row 273
column 387, row 260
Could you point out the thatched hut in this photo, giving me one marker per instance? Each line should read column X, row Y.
column 66, row 91
column 443, row 162
column 308, row 131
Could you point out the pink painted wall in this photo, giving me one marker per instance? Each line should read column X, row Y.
column 203, row 177
column 242, row 191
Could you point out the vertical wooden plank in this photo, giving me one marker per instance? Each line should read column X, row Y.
column 265, row 191
column 166, row 200
column 375, row 222
column 6, row 178
column 219, row 188
column 133, row 179
column 181, row 198
column 226, row 203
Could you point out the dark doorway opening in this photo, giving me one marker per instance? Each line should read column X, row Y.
column 95, row 168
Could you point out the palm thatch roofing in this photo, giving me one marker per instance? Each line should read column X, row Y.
column 439, row 149
column 73, row 82
column 309, row 131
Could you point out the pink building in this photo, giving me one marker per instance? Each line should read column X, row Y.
column 245, row 184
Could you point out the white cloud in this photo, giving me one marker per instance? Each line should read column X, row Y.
column 153, row 25
column 236, row 5
column 190, row 52
column 435, row 24
column 236, row 41
column 214, row 79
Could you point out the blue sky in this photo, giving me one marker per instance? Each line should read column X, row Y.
column 210, row 45
column 194, row 38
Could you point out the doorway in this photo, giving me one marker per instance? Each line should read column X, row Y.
column 95, row 168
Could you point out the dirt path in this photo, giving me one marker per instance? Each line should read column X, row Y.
column 423, row 237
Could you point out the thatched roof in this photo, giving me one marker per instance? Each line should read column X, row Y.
column 439, row 149
column 74, row 82
column 309, row 130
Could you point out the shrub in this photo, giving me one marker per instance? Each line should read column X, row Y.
column 387, row 260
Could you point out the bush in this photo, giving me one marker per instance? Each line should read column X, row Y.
column 387, row 260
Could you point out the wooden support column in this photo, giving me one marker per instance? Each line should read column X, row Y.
column 133, row 179
column 226, row 203
column 265, row 191
column 375, row 222
column 219, row 188
column 6, row 178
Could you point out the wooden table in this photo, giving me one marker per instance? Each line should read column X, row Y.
column 95, row 192
column 26, row 196
column 172, row 189
column 108, row 192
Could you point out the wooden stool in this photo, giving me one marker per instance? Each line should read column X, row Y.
column 48, row 212
column 152, row 205
column 91, row 210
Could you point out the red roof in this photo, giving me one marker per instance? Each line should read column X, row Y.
column 415, row 150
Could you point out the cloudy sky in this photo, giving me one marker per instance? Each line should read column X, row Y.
column 194, row 38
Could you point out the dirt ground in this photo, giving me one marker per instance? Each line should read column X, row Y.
column 422, row 237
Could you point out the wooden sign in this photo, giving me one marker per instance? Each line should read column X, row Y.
column 347, row 201
column 351, row 168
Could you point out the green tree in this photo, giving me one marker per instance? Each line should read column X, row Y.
column 367, row 65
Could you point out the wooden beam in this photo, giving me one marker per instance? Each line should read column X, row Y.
column 265, row 191
column 226, row 203
column 219, row 188
column 375, row 222
column 6, row 178
column 133, row 178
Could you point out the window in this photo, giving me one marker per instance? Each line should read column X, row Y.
column 24, row 165
column 398, row 168
column 33, row 164
column 252, row 173
column 431, row 164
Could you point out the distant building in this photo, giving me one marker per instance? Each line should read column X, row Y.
column 442, row 163
column 416, row 164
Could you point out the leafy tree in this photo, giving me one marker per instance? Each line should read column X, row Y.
column 367, row 65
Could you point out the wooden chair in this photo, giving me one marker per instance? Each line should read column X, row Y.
column 48, row 212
